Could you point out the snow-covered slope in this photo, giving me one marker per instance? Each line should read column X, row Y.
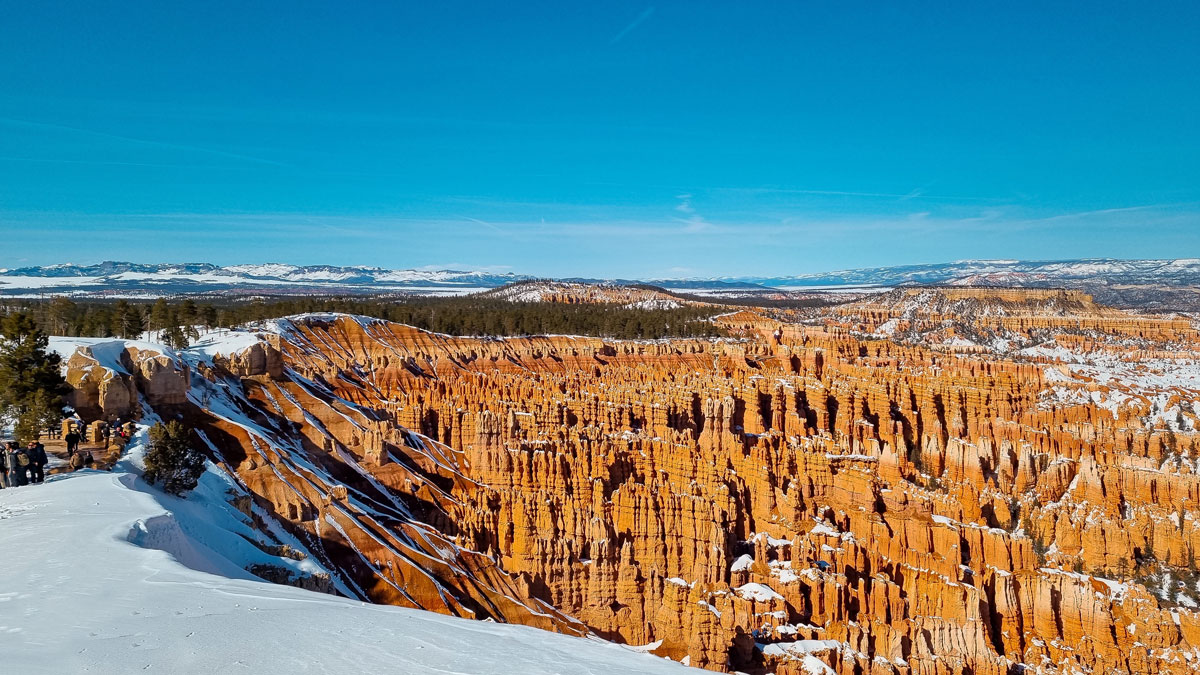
column 77, row 595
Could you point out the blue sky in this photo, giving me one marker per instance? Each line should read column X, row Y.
column 606, row 139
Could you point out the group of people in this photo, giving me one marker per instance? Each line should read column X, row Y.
column 76, row 458
column 27, row 465
column 22, row 466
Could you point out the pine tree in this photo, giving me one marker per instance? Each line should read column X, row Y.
column 171, row 459
column 31, row 383
column 160, row 317
column 208, row 316
column 127, row 320
column 59, row 315
column 188, row 315
column 118, row 316
column 176, row 337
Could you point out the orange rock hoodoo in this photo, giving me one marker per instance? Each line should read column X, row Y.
column 753, row 505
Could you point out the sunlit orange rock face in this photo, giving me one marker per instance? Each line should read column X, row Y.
column 821, row 501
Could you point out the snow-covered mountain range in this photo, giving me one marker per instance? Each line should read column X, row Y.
column 1131, row 283
column 123, row 278
column 1184, row 271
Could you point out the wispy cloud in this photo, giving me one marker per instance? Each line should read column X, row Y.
column 694, row 222
column 101, row 162
column 916, row 193
column 632, row 25
column 135, row 141
column 1106, row 212
column 654, row 237
column 484, row 223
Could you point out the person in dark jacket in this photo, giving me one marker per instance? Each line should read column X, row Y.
column 37, row 462
column 4, row 466
column 18, row 466
column 72, row 439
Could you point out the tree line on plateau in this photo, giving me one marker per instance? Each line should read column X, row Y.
column 178, row 322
